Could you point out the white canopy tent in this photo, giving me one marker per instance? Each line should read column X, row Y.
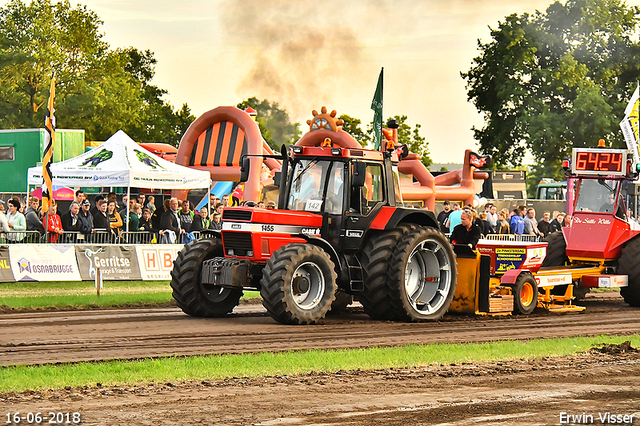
column 120, row 162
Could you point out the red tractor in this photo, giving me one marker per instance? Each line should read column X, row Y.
column 601, row 248
column 340, row 228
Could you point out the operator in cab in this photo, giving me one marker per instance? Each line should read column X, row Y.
column 467, row 233
column 607, row 207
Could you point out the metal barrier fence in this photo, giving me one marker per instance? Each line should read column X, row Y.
column 513, row 237
column 98, row 236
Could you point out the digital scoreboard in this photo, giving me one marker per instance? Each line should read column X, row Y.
column 598, row 161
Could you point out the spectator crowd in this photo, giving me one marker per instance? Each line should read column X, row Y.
column 139, row 220
column 109, row 220
column 467, row 226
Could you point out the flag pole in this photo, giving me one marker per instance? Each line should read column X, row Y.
column 376, row 106
column 47, row 157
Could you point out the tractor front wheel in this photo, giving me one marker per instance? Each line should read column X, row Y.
column 298, row 284
column 193, row 297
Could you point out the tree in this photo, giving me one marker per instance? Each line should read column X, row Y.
column 552, row 81
column 412, row 138
column 416, row 143
column 352, row 126
column 274, row 122
column 98, row 89
column 159, row 121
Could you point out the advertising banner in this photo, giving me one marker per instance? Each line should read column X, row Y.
column 156, row 261
column 41, row 262
column 114, row 262
column 6, row 275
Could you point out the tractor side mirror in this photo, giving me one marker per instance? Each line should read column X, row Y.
column 276, row 178
column 359, row 173
column 244, row 169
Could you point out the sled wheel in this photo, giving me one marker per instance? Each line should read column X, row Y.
column 193, row 297
column 525, row 295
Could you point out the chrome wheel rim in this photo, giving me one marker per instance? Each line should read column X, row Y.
column 428, row 277
column 307, row 285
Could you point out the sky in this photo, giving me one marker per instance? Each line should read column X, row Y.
column 308, row 54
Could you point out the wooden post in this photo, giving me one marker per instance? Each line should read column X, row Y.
column 98, row 281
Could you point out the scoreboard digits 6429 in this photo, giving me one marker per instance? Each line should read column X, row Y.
column 597, row 161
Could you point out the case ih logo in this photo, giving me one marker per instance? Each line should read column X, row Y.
column 24, row 265
column 311, row 231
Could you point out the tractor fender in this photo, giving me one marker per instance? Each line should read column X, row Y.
column 323, row 244
column 511, row 276
column 389, row 218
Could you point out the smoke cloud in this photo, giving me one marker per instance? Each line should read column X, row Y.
column 299, row 54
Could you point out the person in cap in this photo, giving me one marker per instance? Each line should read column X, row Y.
column 85, row 219
column 443, row 216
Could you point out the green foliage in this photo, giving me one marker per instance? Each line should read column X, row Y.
column 98, row 89
column 411, row 137
column 352, row 126
column 552, row 81
column 274, row 122
column 416, row 143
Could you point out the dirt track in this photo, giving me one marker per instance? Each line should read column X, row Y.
column 50, row 337
column 505, row 393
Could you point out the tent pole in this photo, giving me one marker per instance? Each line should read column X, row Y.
column 128, row 204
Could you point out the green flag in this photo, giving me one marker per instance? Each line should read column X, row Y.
column 376, row 106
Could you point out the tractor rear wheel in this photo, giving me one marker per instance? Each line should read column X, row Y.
column 193, row 297
column 525, row 295
column 298, row 284
column 628, row 265
column 556, row 250
column 375, row 266
column 422, row 275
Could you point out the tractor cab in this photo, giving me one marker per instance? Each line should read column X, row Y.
column 600, row 196
column 348, row 187
column 600, row 225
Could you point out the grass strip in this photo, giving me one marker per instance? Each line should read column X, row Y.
column 20, row 378
column 43, row 295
